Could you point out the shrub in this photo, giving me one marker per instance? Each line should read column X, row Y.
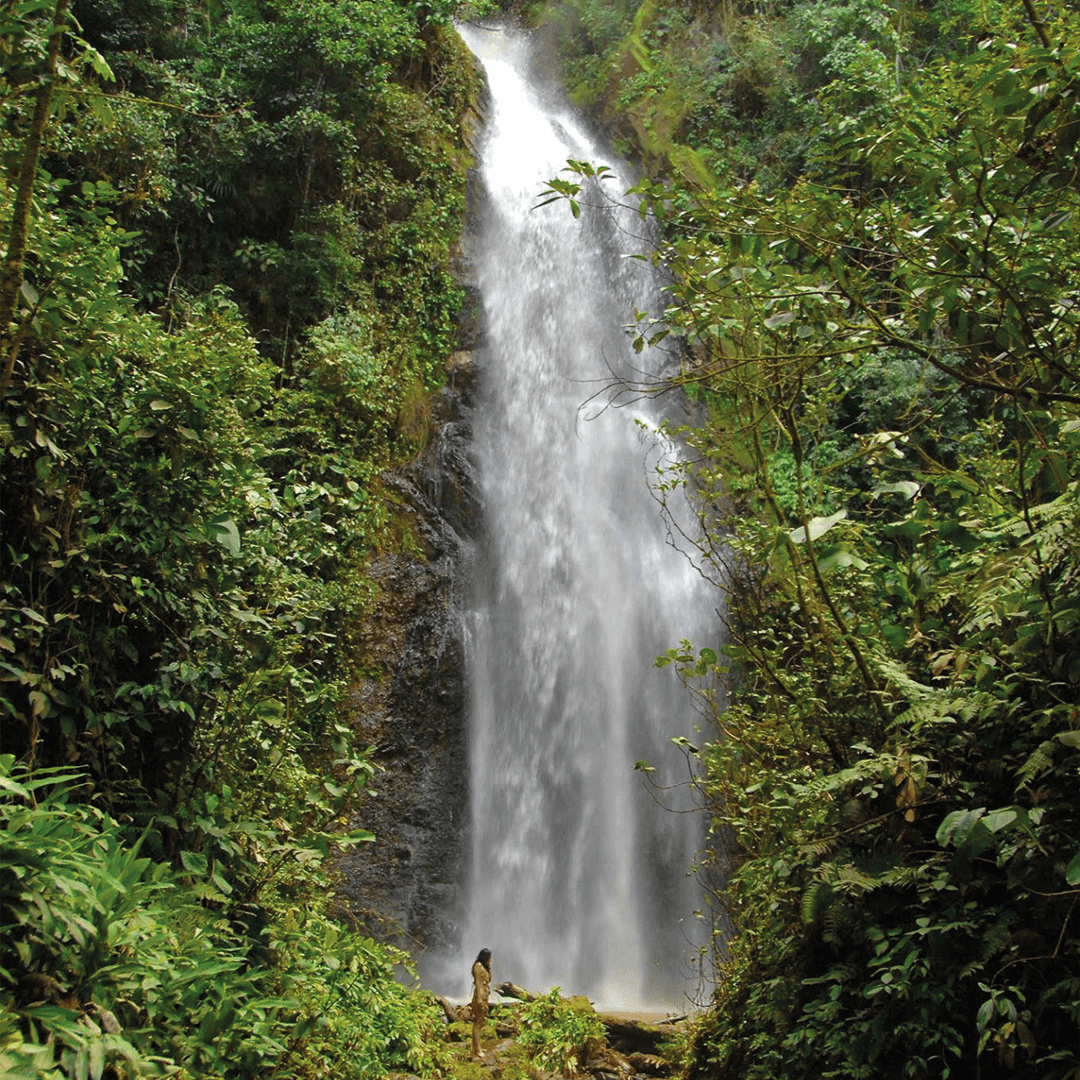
column 560, row 1033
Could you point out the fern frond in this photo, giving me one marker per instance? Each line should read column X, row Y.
column 1008, row 579
column 850, row 879
column 1039, row 761
column 815, row 899
column 839, row 921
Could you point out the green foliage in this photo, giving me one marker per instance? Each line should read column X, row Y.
column 887, row 351
column 585, row 34
column 560, row 1033
column 234, row 297
column 109, row 960
column 289, row 149
column 185, row 521
column 699, row 91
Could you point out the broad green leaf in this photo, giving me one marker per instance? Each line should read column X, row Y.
column 957, row 826
column 1072, row 871
column 781, row 318
column 908, row 488
column 97, row 1058
column 840, row 557
column 999, row 819
column 817, row 527
column 224, row 887
column 225, row 532
column 358, row 836
column 10, row 786
column 194, row 862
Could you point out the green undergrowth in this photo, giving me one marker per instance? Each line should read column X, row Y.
column 626, row 64
column 227, row 232
column 559, row 1034
column 116, row 963
column 552, row 1035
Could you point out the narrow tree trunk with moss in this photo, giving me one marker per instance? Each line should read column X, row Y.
column 12, row 277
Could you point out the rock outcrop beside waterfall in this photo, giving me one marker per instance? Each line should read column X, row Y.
column 412, row 706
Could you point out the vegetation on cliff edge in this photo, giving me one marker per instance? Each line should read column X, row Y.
column 227, row 233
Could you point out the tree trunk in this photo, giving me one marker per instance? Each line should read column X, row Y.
column 12, row 277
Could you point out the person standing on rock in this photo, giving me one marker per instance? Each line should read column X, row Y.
column 481, row 977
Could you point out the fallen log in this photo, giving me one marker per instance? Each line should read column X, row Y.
column 512, row 990
column 449, row 1008
column 636, row 1036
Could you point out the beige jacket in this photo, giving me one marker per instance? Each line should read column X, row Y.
column 481, row 988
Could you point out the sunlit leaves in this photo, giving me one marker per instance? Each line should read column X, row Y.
column 559, row 1033
column 818, row 527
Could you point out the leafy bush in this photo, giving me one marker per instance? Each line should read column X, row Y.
column 108, row 958
column 560, row 1033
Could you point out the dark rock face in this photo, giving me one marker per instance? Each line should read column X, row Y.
column 404, row 886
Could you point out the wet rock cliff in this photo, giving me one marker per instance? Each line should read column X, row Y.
column 412, row 708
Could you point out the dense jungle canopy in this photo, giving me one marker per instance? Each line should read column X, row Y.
column 227, row 230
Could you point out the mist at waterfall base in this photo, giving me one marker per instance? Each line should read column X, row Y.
column 578, row 877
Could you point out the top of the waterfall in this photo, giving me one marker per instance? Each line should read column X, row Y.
column 493, row 42
column 531, row 130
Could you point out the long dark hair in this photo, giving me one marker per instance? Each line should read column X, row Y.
column 484, row 957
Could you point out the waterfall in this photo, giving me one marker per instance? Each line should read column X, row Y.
column 578, row 877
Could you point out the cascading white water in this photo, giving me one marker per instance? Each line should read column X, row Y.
column 578, row 877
